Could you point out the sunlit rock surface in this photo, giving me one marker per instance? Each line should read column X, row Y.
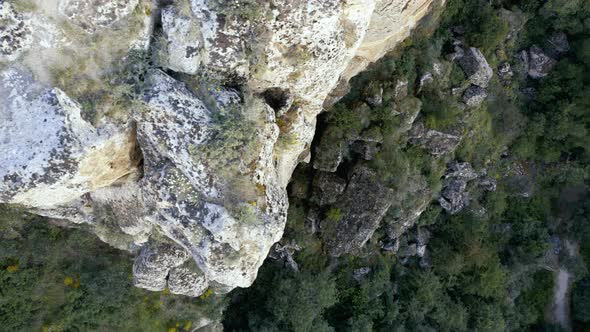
column 185, row 155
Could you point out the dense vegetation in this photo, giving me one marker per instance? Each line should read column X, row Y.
column 487, row 272
column 56, row 279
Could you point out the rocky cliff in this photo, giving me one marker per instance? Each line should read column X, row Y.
column 171, row 129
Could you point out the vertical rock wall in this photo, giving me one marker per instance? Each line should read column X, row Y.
column 223, row 105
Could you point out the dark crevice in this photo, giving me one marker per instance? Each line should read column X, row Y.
column 276, row 98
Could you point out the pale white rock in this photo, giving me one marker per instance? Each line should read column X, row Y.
column 92, row 15
column 391, row 22
column 174, row 122
column 15, row 33
column 474, row 95
column 52, row 156
column 476, row 67
column 226, row 212
column 187, row 279
column 152, row 266
column 183, row 41
column 215, row 188
column 118, row 215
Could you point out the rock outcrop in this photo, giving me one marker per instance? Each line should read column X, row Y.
column 455, row 195
column 538, row 63
column 476, row 67
column 192, row 170
column 357, row 213
column 436, row 142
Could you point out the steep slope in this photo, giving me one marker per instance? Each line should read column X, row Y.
column 220, row 98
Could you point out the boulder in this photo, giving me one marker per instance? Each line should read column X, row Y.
column 373, row 94
column 457, row 54
column 408, row 205
column 409, row 109
column 519, row 185
column 474, row 96
column 182, row 49
column 408, row 250
column 476, row 67
column 329, row 153
column 187, row 279
column 226, row 214
column 505, row 71
column 93, row 15
column 422, row 236
column 462, row 170
column 284, row 254
column 558, row 43
column 327, row 187
column 454, row 198
column 361, row 208
column 15, row 33
column 312, row 221
column 401, row 89
column 425, row 80
column 435, row 142
column 516, row 20
column 51, row 155
column 539, row 63
column 390, row 245
column 487, row 183
column 153, row 265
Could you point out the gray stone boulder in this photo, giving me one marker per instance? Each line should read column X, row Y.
column 423, row 236
column 312, row 221
column 187, row 279
column 519, row 185
column 454, row 198
column 92, row 15
column 487, row 183
column 359, row 212
column 425, row 80
column 409, row 109
column 373, row 94
column 505, row 71
column 284, row 254
column 390, row 245
column 516, row 20
column 401, row 89
column 327, row 187
column 216, row 197
column 182, row 45
column 153, row 265
column 558, row 43
column 474, row 96
column 462, row 170
column 457, row 53
column 476, row 67
column 539, row 63
column 15, row 33
column 329, row 152
column 51, row 155
column 435, row 142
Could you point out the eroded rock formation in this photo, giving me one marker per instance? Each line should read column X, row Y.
column 222, row 106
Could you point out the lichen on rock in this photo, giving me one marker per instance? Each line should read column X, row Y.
column 183, row 153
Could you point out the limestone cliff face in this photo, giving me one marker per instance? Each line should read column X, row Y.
column 181, row 153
